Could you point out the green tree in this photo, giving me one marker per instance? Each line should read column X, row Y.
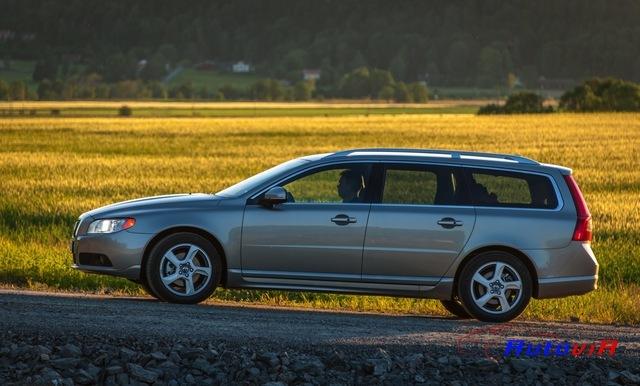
column 267, row 89
column 302, row 90
column 276, row 90
column 398, row 66
column 379, row 79
column 386, row 93
column 229, row 92
column 17, row 90
column 518, row 103
column 56, row 87
column 203, row 93
column 295, row 60
column 524, row 103
column 602, row 95
column 69, row 91
column 356, row 84
column 419, row 92
column 183, row 91
column 158, row 90
column 102, row 91
column 4, row 91
column 401, row 93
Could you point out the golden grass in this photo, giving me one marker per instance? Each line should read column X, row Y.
column 53, row 169
column 337, row 104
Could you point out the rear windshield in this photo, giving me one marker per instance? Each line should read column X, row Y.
column 511, row 189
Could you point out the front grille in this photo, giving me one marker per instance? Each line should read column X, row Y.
column 97, row 259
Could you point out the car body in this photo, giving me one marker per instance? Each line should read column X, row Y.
column 419, row 218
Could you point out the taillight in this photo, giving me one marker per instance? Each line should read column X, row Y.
column 583, row 231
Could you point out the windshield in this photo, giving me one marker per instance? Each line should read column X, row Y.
column 244, row 186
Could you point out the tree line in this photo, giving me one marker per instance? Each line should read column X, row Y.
column 362, row 83
column 444, row 43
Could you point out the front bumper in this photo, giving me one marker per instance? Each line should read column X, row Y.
column 572, row 270
column 123, row 249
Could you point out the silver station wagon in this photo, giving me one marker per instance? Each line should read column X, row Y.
column 481, row 232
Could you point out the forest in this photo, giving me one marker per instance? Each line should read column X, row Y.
column 467, row 43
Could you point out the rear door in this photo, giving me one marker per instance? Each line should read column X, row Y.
column 416, row 228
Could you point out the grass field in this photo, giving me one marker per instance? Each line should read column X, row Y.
column 37, row 109
column 53, row 169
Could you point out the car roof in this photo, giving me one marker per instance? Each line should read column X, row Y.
column 439, row 155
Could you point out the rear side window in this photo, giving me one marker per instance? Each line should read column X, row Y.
column 511, row 189
column 419, row 185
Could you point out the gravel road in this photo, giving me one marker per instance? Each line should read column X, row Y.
column 85, row 339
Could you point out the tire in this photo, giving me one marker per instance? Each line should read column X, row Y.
column 454, row 307
column 190, row 266
column 145, row 286
column 511, row 290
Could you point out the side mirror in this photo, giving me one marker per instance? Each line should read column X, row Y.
column 274, row 196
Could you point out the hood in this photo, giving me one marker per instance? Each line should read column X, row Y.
column 171, row 201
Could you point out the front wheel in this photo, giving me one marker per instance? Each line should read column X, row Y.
column 495, row 287
column 183, row 268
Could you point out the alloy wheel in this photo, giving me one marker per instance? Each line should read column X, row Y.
column 496, row 287
column 185, row 269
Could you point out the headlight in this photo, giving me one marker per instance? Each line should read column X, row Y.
column 110, row 225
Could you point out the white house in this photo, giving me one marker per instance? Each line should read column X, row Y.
column 241, row 67
column 310, row 74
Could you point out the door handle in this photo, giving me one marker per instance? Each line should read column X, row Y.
column 449, row 222
column 343, row 219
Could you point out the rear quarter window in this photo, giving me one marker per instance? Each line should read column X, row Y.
column 511, row 189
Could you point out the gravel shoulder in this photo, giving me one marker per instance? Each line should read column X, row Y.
column 79, row 339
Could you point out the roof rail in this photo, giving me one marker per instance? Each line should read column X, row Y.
column 439, row 153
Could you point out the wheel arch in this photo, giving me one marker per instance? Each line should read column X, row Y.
column 188, row 229
column 503, row 248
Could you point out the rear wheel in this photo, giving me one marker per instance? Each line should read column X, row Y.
column 455, row 308
column 495, row 287
column 183, row 268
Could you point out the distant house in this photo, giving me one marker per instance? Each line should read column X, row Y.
column 7, row 35
column 241, row 67
column 141, row 65
column 310, row 74
column 207, row 65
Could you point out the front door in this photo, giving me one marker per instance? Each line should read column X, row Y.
column 317, row 234
column 416, row 230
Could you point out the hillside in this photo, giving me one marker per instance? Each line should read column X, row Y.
column 467, row 43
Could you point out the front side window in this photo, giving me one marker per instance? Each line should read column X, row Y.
column 416, row 185
column 336, row 184
column 511, row 189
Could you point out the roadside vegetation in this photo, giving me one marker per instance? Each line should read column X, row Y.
column 53, row 169
column 593, row 95
column 520, row 103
